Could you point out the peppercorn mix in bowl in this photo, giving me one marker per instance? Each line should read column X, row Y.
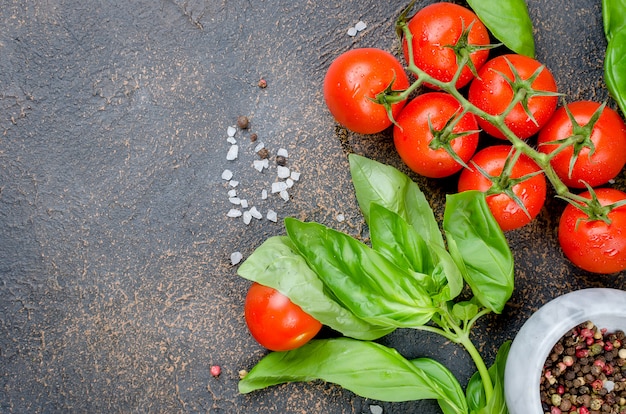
column 600, row 310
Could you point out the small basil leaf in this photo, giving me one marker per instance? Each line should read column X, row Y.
column 451, row 400
column 362, row 280
column 382, row 184
column 368, row 369
column 613, row 16
column 464, row 311
column 277, row 264
column 480, row 249
column 615, row 67
column 393, row 237
column 509, row 22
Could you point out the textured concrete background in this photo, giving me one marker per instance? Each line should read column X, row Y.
column 116, row 289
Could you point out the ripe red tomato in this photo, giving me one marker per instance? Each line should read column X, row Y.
column 532, row 192
column 414, row 141
column 275, row 321
column 492, row 93
column 594, row 245
column 609, row 142
column 356, row 76
column 437, row 27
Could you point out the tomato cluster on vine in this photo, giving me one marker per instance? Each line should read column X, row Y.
column 466, row 94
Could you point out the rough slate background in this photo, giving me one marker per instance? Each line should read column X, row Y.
column 116, row 290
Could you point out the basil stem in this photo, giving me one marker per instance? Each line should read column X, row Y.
column 480, row 249
column 615, row 67
column 613, row 17
column 368, row 369
column 363, row 280
column 475, row 393
column 277, row 264
column 509, row 22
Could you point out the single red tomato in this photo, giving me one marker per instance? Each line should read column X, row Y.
column 438, row 27
column 422, row 151
column 493, row 93
column 531, row 192
column 275, row 321
column 594, row 245
column 353, row 79
column 607, row 138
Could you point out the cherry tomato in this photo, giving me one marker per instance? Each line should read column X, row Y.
column 492, row 93
column 437, row 27
column 356, row 76
column 594, row 245
column 531, row 192
column 413, row 138
column 608, row 139
column 275, row 321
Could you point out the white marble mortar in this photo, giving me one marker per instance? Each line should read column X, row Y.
column 605, row 307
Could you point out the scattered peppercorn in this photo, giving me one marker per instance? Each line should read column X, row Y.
column 243, row 122
column 253, row 137
column 216, row 370
column 263, row 153
column 583, row 374
column 262, row 83
column 280, row 160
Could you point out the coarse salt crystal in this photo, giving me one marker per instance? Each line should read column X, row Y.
column 227, row 175
column 244, row 203
column 255, row 213
column 295, row 175
column 282, row 153
column 361, row 25
column 263, row 194
column 233, row 183
column 234, row 212
column 231, row 131
column 278, row 186
column 234, row 200
column 340, row 217
column 231, row 140
column 232, row 193
column 289, row 182
column 258, row 165
column 247, row 217
column 282, row 172
column 235, row 258
column 376, row 409
column 272, row 216
column 233, row 153
column 352, row 32
column 284, row 195
column 259, row 147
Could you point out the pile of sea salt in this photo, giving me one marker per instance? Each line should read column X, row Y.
column 241, row 207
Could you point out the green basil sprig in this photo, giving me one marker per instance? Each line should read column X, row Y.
column 406, row 278
column 476, row 399
column 365, row 368
column 614, row 18
column 509, row 22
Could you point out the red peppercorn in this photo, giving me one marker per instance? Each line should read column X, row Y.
column 608, row 346
column 560, row 390
column 216, row 370
column 583, row 410
column 582, row 353
column 597, row 385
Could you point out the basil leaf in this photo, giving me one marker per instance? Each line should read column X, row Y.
column 368, row 369
column 452, row 400
column 479, row 247
column 375, row 182
column 362, row 280
column 509, row 22
column 399, row 242
column 475, row 392
column 615, row 67
column 613, row 16
column 277, row 264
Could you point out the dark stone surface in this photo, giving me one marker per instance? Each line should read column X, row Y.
column 116, row 289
